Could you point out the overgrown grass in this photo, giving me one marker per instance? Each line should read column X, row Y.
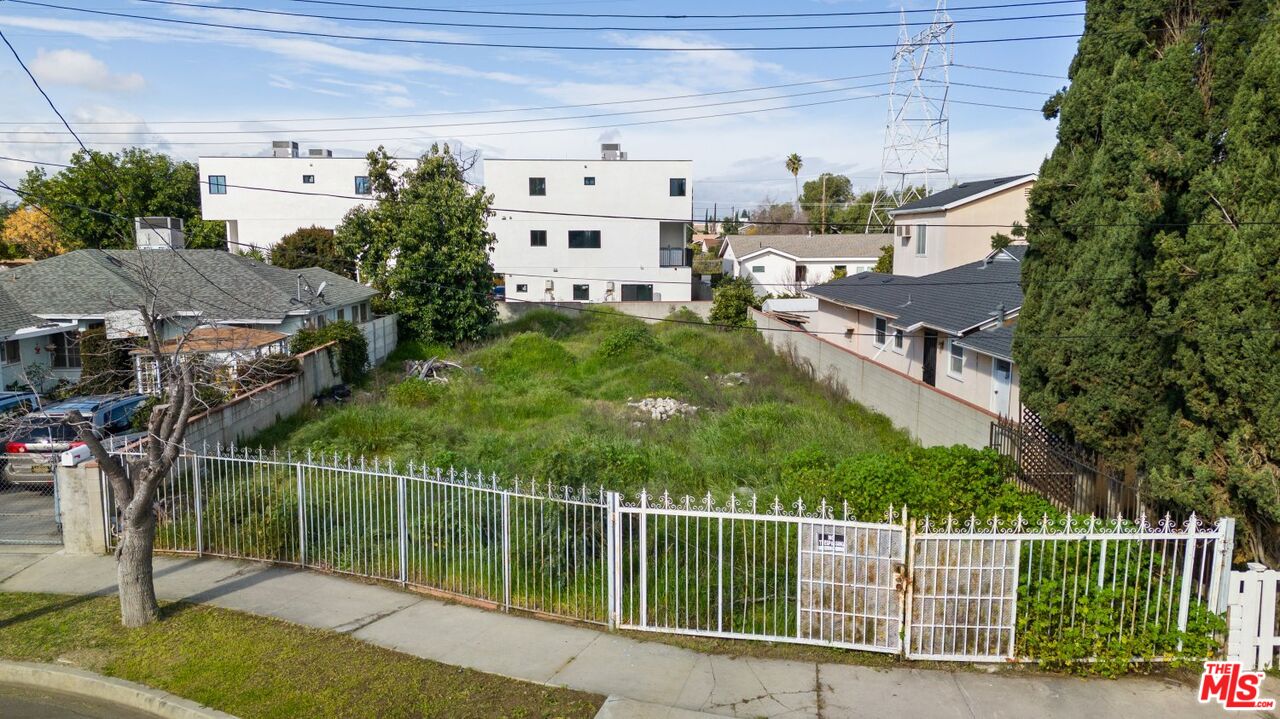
column 258, row 667
column 547, row 396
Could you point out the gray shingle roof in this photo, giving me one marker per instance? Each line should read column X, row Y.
column 962, row 191
column 996, row 341
column 12, row 316
column 952, row 301
column 852, row 246
column 217, row 284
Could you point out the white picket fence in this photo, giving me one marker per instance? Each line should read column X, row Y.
column 746, row 570
column 1252, row 638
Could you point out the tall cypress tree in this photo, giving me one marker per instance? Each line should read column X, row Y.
column 1139, row 333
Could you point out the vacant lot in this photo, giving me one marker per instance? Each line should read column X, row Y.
column 550, row 397
column 257, row 667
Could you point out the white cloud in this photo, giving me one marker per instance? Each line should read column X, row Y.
column 80, row 69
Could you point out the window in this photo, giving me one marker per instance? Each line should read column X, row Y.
column 66, row 351
column 362, row 185
column 342, row 315
column 757, row 269
column 840, row 270
column 897, row 339
column 955, row 360
column 537, row 238
column 582, row 292
column 12, row 352
column 364, row 312
column 584, row 239
column 677, row 186
column 637, row 293
column 217, row 184
column 802, row 272
column 589, row 181
column 882, row 329
column 920, row 239
column 308, row 179
column 537, row 185
column 522, row 288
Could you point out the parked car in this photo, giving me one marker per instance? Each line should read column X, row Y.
column 33, row 448
column 17, row 403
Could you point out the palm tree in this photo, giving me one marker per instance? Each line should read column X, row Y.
column 794, row 163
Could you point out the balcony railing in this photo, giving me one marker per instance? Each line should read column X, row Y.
column 675, row 257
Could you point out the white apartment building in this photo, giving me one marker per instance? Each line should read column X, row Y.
column 258, row 218
column 606, row 230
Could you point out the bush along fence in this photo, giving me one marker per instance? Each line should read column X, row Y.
column 1077, row 593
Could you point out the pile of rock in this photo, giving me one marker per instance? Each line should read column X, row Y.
column 663, row 408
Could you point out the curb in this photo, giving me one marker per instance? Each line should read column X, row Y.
column 69, row 680
column 616, row 707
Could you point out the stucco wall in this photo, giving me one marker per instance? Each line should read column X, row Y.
column 927, row 414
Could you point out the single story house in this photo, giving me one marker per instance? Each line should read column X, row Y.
column 952, row 330
column 225, row 349
column 954, row 227
column 786, row 264
column 46, row 304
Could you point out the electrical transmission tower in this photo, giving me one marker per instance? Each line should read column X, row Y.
column 916, row 135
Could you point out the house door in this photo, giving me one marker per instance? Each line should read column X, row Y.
column 1001, row 380
column 929, row 362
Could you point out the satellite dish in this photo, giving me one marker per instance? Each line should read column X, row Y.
column 320, row 290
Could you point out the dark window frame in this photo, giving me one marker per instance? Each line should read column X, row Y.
column 584, row 239
column 217, row 184
column 537, row 238
column 683, row 187
column 522, row 288
column 589, row 181
column 368, row 186
column 537, row 187
column 582, row 293
column 308, row 179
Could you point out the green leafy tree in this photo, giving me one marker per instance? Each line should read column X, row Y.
column 311, row 247
column 776, row 218
column 885, row 263
column 432, row 223
column 1000, row 240
column 730, row 225
column 1143, row 245
column 822, row 197
column 132, row 183
column 353, row 347
column 730, row 303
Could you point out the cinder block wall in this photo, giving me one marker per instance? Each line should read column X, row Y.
column 930, row 416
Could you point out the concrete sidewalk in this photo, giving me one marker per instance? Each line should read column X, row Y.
column 673, row 681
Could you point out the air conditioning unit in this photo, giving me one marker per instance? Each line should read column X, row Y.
column 904, row 231
column 609, row 286
column 549, row 285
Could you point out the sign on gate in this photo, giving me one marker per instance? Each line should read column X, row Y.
column 848, row 585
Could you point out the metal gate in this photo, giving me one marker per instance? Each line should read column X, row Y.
column 695, row 569
column 29, row 514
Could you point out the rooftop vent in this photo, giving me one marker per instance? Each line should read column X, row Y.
column 317, row 152
column 612, row 151
column 162, row 233
column 284, row 148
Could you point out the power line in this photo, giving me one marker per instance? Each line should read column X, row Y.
column 522, row 46
column 1010, row 72
column 518, row 121
column 595, row 28
column 668, row 16
column 501, row 110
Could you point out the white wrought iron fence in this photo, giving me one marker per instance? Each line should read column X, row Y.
column 971, row 591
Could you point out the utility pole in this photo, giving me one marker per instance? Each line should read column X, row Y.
column 824, row 203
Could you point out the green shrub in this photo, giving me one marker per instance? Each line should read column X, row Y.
column 548, row 322
column 628, row 341
column 730, row 302
column 414, row 392
column 416, row 349
column 934, row 481
column 207, row 398
column 353, row 348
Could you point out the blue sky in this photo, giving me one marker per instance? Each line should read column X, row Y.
column 144, row 76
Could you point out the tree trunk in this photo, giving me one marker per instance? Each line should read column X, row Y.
column 138, row 604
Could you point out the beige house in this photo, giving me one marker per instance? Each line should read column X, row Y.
column 783, row 264
column 951, row 330
column 953, row 227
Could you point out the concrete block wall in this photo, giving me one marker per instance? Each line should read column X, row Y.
column 381, row 334
column 653, row 311
column 250, row 414
column 929, row 415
